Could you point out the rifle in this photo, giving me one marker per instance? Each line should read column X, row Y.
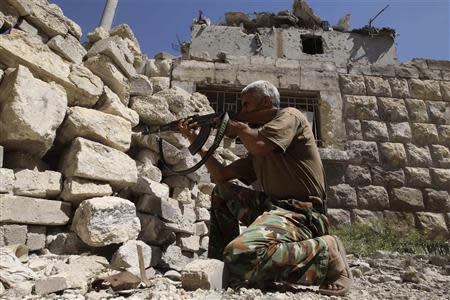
column 217, row 120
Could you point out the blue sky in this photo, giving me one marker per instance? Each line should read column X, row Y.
column 423, row 25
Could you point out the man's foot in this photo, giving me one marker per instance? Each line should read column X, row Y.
column 339, row 278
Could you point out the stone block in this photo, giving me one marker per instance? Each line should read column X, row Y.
column 203, row 200
column 171, row 153
column 25, row 100
column 361, row 107
column 117, row 50
column 98, row 34
column 372, row 197
column 202, row 214
column 406, row 72
column 65, row 242
column 188, row 212
column 126, row 257
column 196, row 71
column 68, row 47
column 227, row 74
column 200, row 229
column 446, row 77
column 438, row 64
column 433, row 225
column 425, row 89
column 174, row 259
column 153, row 189
column 444, row 134
column 441, row 156
column 149, row 171
column 358, row 175
column 51, row 284
column 160, row 83
column 208, row 274
column 97, row 126
column 106, row 220
column 23, row 160
column 335, row 173
column 25, row 210
column 406, row 199
column 110, row 103
column 354, row 131
column 445, row 88
column 165, row 208
column 437, row 201
column 342, row 195
column 377, row 86
column 89, row 87
column 154, row 231
column 164, row 67
column 424, row 134
column 11, row 234
column 430, row 74
column 147, row 157
column 153, row 110
column 367, row 217
column 393, row 154
column 37, row 184
column 204, row 243
column 6, row 180
column 140, row 85
column 77, row 189
column 418, row 156
column 319, row 80
column 363, row 152
column 103, row 67
column 374, row 131
column 440, row 178
column 417, row 177
column 388, row 177
column 399, row 88
column 182, row 195
column 392, row 109
column 352, row 84
column 417, row 110
column 189, row 243
column 36, row 237
column 125, row 32
column 91, row 160
column 403, row 221
column 338, row 217
column 399, row 132
column 439, row 112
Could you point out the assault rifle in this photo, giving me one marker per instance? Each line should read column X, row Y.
column 206, row 123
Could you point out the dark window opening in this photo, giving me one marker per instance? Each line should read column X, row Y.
column 312, row 44
column 228, row 99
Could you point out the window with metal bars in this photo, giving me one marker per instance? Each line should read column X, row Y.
column 228, row 99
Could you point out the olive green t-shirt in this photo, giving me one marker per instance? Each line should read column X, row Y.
column 294, row 169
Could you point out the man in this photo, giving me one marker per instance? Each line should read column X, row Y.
column 287, row 236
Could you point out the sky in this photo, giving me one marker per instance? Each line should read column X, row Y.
column 423, row 26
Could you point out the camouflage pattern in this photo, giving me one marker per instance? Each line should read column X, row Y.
column 281, row 244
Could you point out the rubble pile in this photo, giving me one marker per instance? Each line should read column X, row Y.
column 77, row 173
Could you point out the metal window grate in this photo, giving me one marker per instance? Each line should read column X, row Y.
column 228, row 99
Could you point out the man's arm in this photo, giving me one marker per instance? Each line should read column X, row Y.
column 254, row 142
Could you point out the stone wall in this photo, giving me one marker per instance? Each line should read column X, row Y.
column 384, row 130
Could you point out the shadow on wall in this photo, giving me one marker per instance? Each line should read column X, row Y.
column 370, row 49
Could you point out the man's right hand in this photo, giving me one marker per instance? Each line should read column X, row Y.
column 188, row 129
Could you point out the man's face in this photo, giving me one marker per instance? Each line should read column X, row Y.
column 251, row 103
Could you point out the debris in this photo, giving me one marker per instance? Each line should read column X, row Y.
column 120, row 281
column 305, row 14
column 343, row 24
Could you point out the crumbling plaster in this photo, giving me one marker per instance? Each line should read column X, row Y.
column 339, row 47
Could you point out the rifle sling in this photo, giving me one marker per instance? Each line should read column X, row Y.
column 219, row 136
column 201, row 139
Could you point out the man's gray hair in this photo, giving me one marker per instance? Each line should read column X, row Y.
column 263, row 88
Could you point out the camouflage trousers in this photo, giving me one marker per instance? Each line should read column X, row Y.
column 279, row 245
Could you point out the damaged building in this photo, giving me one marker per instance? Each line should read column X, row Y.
column 79, row 173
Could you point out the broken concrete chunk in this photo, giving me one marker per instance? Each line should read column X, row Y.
column 37, row 184
column 78, row 189
column 149, row 171
column 160, row 83
column 25, row 100
column 206, row 274
column 106, row 220
column 174, row 259
column 126, row 256
column 147, row 157
column 98, row 34
column 190, row 243
column 25, row 210
column 153, row 189
column 176, row 98
column 6, row 180
column 50, row 285
column 93, row 160
column 89, row 86
column 110, row 103
column 200, row 228
column 68, row 47
column 125, row 32
column 167, row 209
column 97, row 126
column 103, row 67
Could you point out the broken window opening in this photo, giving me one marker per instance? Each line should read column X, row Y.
column 228, row 99
column 312, row 44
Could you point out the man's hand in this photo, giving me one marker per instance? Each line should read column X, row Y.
column 234, row 128
column 188, row 129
